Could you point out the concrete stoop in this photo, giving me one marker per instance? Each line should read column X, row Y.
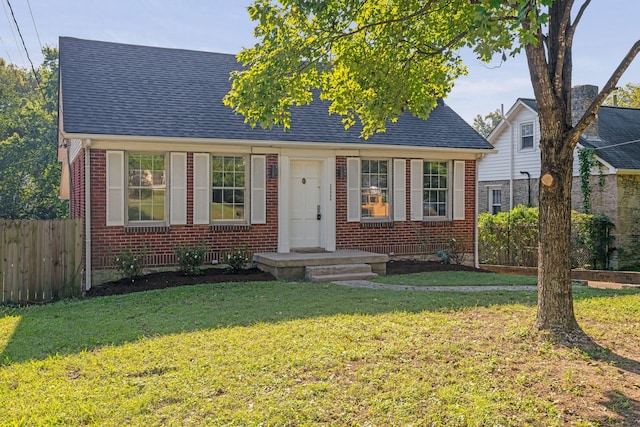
column 339, row 272
column 293, row 265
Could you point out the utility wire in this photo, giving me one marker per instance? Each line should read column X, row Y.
column 6, row 49
column 34, row 25
column 617, row 145
column 13, row 33
column 24, row 45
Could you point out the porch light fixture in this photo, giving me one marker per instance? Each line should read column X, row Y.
column 273, row 171
column 342, row 172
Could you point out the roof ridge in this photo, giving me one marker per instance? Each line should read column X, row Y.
column 133, row 45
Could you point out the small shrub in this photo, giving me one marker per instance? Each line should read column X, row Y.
column 444, row 256
column 453, row 253
column 237, row 258
column 191, row 258
column 129, row 263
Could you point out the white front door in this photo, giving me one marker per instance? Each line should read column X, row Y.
column 304, row 199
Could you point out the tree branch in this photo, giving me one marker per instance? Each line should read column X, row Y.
column 418, row 12
column 591, row 113
column 562, row 44
column 572, row 28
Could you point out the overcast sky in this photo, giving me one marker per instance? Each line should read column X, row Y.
column 605, row 34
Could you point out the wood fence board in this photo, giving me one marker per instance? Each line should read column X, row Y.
column 40, row 260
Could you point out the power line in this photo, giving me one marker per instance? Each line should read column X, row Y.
column 24, row 44
column 13, row 33
column 617, row 145
column 35, row 27
column 6, row 49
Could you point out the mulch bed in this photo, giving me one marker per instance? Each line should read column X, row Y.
column 170, row 279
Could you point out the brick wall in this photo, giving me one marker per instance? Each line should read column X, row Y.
column 159, row 242
column 406, row 237
column 399, row 238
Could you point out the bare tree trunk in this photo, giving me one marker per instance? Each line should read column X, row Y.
column 555, row 299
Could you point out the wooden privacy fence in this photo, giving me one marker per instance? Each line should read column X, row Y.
column 40, row 260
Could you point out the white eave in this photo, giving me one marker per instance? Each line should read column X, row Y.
column 275, row 144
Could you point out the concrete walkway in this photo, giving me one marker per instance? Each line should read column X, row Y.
column 373, row 285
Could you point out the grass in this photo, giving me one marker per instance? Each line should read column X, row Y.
column 286, row 353
column 457, row 278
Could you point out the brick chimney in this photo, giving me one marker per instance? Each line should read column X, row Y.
column 581, row 98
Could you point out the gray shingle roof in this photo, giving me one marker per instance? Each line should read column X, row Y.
column 120, row 89
column 619, row 131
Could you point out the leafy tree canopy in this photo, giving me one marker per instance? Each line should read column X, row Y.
column 372, row 60
column 627, row 96
column 485, row 125
column 29, row 170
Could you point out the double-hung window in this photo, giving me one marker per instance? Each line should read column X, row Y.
column 526, row 136
column 374, row 189
column 146, row 187
column 436, row 200
column 229, row 192
column 495, row 200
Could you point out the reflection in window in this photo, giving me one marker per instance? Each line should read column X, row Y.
column 436, row 192
column 496, row 200
column 374, row 190
column 146, row 187
column 526, row 131
column 228, row 176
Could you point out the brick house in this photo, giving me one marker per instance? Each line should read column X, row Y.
column 510, row 177
column 152, row 159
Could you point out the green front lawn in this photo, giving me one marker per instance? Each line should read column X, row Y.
column 284, row 353
column 456, row 278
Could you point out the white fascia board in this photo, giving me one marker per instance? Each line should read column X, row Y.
column 515, row 108
column 199, row 144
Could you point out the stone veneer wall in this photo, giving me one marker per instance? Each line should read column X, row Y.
column 603, row 198
column 520, row 193
column 628, row 225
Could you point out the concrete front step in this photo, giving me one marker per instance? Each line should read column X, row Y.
column 331, row 273
column 292, row 265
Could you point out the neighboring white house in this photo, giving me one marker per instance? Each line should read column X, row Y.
column 510, row 177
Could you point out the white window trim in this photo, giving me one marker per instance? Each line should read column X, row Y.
column 450, row 190
column 490, row 201
column 521, row 136
column 247, row 189
column 390, row 203
column 167, row 180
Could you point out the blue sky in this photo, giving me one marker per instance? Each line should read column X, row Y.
column 605, row 34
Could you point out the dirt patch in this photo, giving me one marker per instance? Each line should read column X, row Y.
column 170, row 279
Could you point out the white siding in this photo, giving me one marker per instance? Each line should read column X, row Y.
column 495, row 167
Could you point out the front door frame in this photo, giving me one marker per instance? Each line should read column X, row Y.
column 327, row 199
